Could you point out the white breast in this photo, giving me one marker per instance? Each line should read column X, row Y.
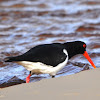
column 61, row 65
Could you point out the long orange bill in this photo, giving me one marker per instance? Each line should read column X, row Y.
column 89, row 59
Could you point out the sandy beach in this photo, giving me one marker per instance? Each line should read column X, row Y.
column 81, row 86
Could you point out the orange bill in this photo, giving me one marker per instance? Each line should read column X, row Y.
column 89, row 59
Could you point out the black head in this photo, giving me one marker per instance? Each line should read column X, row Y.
column 79, row 47
column 76, row 47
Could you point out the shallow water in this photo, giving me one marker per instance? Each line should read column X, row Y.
column 27, row 23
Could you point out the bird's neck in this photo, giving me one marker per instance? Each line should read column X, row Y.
column 70, row 49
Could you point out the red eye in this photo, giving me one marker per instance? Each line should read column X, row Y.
column 84, row 45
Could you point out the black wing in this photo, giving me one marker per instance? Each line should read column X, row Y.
column 49, row 54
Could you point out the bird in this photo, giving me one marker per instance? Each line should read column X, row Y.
column 49, row 58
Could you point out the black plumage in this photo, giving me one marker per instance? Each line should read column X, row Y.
column 49, row 54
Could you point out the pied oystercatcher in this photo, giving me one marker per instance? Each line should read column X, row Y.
column 50, row 58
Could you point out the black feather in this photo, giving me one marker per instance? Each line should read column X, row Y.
column 50, row 54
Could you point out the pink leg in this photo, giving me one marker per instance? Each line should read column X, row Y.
column 28, row 78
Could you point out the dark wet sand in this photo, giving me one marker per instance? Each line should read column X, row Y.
column 81, row 86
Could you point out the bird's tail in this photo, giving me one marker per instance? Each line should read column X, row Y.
column 10, row 59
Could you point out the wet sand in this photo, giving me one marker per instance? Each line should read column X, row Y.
column 80, row 86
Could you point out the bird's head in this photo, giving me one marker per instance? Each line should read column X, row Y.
column 78, row 47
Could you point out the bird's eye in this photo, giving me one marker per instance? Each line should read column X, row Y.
column 84, row 45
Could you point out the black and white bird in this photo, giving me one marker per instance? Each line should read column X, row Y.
column 49, row 58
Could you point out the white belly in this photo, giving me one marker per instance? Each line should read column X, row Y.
column 36, row 67
column 39, row 68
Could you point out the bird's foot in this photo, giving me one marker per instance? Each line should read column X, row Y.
column 28, row 78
